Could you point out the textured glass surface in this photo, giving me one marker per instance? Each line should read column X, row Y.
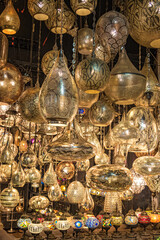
column 87, row 203
column 75, row 192
column 23, row 222
column 153, row 182
column 18, row 176
column 83, row 165
column 143, row 119
column 9, row 197
column 9, row 19
column 144, row 20
column 62, row 225
column 112, row 29
column 54, row 192
column 85, row 41
column 131, row 220
column 103, row 158
column 154, row 217
column 7, row 155
column 126, row 83
column 28, row 159
column 34, row 175
column 112, row 201
column 103, row 53
column 59, row 95
column 127, row 195
column 38, row 202
column 83, row 8
column 92, row 222
column 65, row 170
column 35, row 228
column 147, row 166
column 138, row 182
column 92, row 75
column 117, row 220
column 144, row 218
column 109, row 177
column 50, row 176
column 86, row 100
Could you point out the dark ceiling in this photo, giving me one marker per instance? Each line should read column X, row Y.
column 19, row 50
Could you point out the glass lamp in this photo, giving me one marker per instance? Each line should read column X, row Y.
column 65, row 170
column 28, row 158
column 106, row 222
column 138, row 212
column 9, row 197
column 3, row 55
column 18, row 176
column 83, row 8
column 154, row 218
column 127, row 195
column 63, row 224
column 48, row 226
column 35, row 228
column 23, row 223
column 83, row 166
column 131, row 219
column 92, row 223
column 103, row 158
column 144, row 219
column 9, row 19
column 138, row 182
column 38, row 202
column 77, row 223
column 87, row 203
column 86, row 100
column 75, row 192
column 50, row 176
column 41, row 9
column 117, row 219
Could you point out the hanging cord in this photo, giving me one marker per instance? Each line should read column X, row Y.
column 39, row 53
column 74, row 54
column 94, row 26
column 31, row 48
column 61, row 36
column 140, row 57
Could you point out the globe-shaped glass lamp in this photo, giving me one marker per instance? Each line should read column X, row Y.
column 23, row 222
column 92, row 222
column 131, row 219
column 35, row 227
column 144, row 219
column 63, row 224
column 154, row 217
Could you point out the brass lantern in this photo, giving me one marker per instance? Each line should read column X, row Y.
column 54, row 23
column 9, row 20
column 126, row 83
column 41, row 9
column 83, row 8
column 144, row 20
column 92, row 75
column 11, row 84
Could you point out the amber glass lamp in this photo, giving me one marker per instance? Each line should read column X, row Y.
column 9, row 20
column 83, row 8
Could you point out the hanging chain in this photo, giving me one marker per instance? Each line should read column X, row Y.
column 140, row 58
column 74, row 54
column 31, row 48
column 39, row 53
column 94, row 26
column 61, row 36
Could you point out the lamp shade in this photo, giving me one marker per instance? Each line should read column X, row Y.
column 9, row 197
column 23, row 222
column 83, row 8
column 3, row 49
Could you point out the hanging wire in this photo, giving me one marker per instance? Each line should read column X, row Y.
column 39, row 52
column 61, row 36
column 140, row 57
column 94, row 26
column 31, row 48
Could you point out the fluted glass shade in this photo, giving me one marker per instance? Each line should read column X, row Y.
column 11, row 84
column 83, row 8
column 3, row 49
column 143, row 17
column 9, row 20
column 75, row 192
column 41, row 9
column 29, row 105
column 58, row 95
column 92, row 75
column 54, row 23
column 126, row 83
column 112, row 199
column 112, row 29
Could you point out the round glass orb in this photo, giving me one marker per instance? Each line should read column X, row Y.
column 11, row 84
column 103, row 53
column 109, row 177
column 85, row 40
column 147, row 166
column 143, row 17
column 49, row 60
column 28, row 159
column 29, row 105
column 23, row 146
column 38, row 202
column 3, row 50
column 62, row 224
column 106, row 221
column 75, row 192
column 57, row 106
column 54, row 23
column 7, row 168
column 87, row 100
column 83, row 166
column 83, row 8
column 154, row 217
column 92, row 75
column 127, row 195
column 34, row 175
column 65, row 170
column 101, row 113
column 144, row 121
column 126, row 84
column 153, row 182
column 112, row 29
column 131, row 219
column 138, row 182
column 35, row 228
column 41, row 9
column 23, row 222
column 54, row 192
column 92, row 222
column 9, row 19
column 103, row 158
column 117, row 219
column 9, row 197
column 144, row 219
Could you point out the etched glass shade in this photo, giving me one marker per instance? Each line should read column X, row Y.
column 144, row 20
column 87, row 203
column 3, row 49
column 144, row 120
column 103, row 158
column 65, row 170
column 126, row 83
column 34, row 176
column 138, row 182
column 9, row 19
column 75, row 192
column 28, row 158
column 147, row 166
column 109, row 177
column 103, row 53
column 126, row 195
column 153, row 182
column 86, row 100
column 131, row 219
column 112, row 29
column 29, row 105
column 11, row 84
column 9, row 197
column 92, row 75
column 7, row 168
column 101, row 113
column 50, row 176
column 112, row 200
column 83, row 8
column 85, row 40
column 35, row 228
column 49, row 59
column 7, row 155
column 151, row 82
column 54, row 192
column 58, row 95
column 71, row 147
column 41, row 9
column 61, row 19
column 83, row 165
column 18, row 176
column 38, row 202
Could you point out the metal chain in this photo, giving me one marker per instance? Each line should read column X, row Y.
column 74, row 54
column 61, row 36
column 140, row 58
column 94, row 26
column 39, row 53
